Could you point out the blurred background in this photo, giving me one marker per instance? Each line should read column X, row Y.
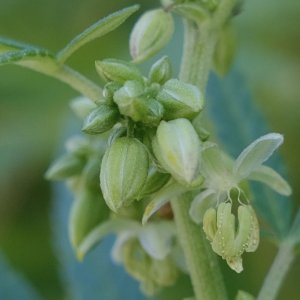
column 35, row 115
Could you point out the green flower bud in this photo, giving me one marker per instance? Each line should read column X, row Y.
column 180, row 100
column 150, row 34
column 161, row 70
column 100, row 119
column 67, row 166
column 134, row 103
column 227, row 241
column 177, row 148
column 109, row 89
column 123, row 172
column 117, row 70
column 192, row 11
column 155, row 181
column 88, row 211
column 82, row 106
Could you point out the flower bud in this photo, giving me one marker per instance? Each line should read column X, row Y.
column 155, row 181
column 100, row 119
column 117, row 70
column 88, row 210
column 134, row 103
column 150, row 34
column 65, row 167
column 82, row 106
column 109, row 89
column 180, row 100
column 177, row 148
column 161, row 70
column 192, row 11
column 123, row 172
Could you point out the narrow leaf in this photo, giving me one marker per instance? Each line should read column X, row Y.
column 162, row 197
column 104, row 229
column 271, row 178
column 256, row 154
column 97, row 30
column 40, row 60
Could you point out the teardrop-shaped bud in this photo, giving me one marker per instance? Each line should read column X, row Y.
column 150, row 34
column 155, row 181
column 117, row 70
column 100, row 119
column 134, row 103
column 161, row 70
column 88, row 210
column 123, row 172
column 65, row 167
column 177, row 148
column 180, row 100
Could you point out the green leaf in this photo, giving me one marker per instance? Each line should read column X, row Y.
column 97, row 30
column 40, row 60
column 256, row 154
column 295, row 230
column 163, row 196
column 104, row 229
column 271, row 178
column 156, row 238
column 241, row 295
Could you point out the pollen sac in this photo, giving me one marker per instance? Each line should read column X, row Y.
column 161, row 70
column 227, row 241
column 133, row 102
column 177, row 147
column 117, row 70
column 124, row 171
column 180, row 100
column 150, row 34
column 100, row 119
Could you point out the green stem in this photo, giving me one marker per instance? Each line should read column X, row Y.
column 79, row 83
column 202, row 262
column 198, row 51
column 278, row 272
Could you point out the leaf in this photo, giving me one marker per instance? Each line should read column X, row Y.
column 157, row 238
column 37, row 59
column 256, row 154
column 272, row 179
column 97, row 30
column 238, row 121
column 163, row 196
column 241, row 295
column 102, row 230
column 295, row 230
column 201, row 203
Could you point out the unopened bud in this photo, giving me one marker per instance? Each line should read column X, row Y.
column 161, row 70
column 150, row 34
column 117, row 70
column 177, row 148
column 100, row 119
column 180, row 100
column 123, row 172
column 109, row 89
column 192, row 11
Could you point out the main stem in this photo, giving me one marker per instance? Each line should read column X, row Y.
column 278, row 271
column 199, row 45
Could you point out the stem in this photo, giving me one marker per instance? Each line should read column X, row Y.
column 278, row 272
column 202, row 263
column 198, row 51
column 79, row 82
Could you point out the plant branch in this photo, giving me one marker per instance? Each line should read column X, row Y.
column 277, row 272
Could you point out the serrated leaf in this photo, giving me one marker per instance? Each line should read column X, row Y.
column 40, row 60
column 163, row 196
column 256, row 154
column 97, row 30
column 102, row 230
column 272, row 179
column 156, row 239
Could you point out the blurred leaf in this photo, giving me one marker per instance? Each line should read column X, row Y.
column 295, row 230
column 237, row 122
column 97, row 30
column 13, row 286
